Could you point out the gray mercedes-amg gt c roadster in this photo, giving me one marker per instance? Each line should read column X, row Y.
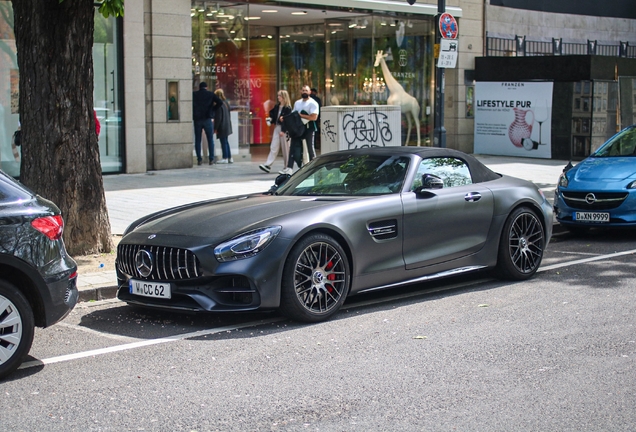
column 347, row 222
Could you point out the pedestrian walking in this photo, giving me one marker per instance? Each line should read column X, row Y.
column 223, row 127
column 308, row 110
column 280, row 140
column 204, row 106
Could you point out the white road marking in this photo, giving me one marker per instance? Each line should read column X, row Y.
column 576, row 253
column 179, row 337
column 587, row 260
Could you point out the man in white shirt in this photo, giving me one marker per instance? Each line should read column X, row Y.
column 308, row 110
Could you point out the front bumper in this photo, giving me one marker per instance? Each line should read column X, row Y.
column 622, row 216
column 215, row 294
column 243, row 285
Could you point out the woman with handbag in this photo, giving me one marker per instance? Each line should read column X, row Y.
column 280, row 140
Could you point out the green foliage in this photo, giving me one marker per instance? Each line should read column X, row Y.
column 112, row 8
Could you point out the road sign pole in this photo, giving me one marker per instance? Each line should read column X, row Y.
column 439, row 131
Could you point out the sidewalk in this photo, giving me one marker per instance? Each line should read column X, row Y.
column 130, row 196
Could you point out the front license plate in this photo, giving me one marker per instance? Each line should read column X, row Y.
column 150, row 289
column 592, row 217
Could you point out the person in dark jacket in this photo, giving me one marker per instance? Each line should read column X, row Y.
column 280, row 140
column 314, row 96
column 204, row 106
column 223, row 126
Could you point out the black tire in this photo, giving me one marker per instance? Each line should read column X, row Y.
column 16, row 328
column 316, row 279
column 521, row 245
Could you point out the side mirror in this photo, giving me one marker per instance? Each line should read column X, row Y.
column 430, row 181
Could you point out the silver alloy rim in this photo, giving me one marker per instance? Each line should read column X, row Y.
column 319, row 278
column 525, row 243
column 10, row 329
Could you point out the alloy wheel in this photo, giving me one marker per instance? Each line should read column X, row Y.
column 10, row 329
column 525, row 242
column 320, row 278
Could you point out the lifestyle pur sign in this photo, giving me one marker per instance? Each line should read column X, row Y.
column 513, row 118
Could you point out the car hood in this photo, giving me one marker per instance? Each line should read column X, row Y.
column 605, row 169
column 228, row 216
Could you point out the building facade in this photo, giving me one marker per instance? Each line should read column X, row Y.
column 355, row 52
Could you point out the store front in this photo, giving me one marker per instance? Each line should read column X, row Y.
column 252, row 51
column 107, row 84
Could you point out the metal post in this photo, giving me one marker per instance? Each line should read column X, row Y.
column 439, row 132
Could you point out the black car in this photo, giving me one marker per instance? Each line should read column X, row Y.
column 38, row 280
column 347, row 222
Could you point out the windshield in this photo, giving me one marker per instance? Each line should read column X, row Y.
column 349, row 175
column 621, row 144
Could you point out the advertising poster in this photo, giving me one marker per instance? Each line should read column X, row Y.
column 513, row 119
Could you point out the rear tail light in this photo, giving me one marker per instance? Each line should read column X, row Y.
column 50, row 226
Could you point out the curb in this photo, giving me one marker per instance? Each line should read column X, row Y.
column 97, row 293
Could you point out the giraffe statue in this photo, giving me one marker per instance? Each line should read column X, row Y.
column 398, row 96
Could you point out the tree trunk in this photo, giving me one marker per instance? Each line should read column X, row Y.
column 60, row 153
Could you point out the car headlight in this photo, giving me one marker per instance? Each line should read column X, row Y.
column 563, row 180
column 246, row 245
column 632, row 185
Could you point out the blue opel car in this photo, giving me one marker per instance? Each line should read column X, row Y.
column 600, row 191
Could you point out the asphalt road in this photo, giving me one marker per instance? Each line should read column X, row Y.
column 556, row 352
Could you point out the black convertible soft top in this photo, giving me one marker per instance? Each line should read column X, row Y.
column 480, row 172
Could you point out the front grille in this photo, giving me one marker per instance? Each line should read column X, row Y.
column 603, row 200
column 167, row 263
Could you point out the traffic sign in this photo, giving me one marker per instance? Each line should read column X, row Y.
column 448, row 26
column 448, row 53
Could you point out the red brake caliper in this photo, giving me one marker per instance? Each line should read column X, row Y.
column 330, row 276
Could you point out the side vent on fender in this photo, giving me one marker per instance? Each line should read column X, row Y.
column 383, row 230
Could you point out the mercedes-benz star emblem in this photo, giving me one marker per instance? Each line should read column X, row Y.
column 590, row 198
column 143, row 262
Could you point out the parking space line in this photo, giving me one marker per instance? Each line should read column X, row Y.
column 576, row 253
column 586, row 260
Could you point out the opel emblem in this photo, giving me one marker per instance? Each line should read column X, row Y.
column 590, row 198
column 143, row 262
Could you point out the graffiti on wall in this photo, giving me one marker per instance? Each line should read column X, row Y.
column 366, row 129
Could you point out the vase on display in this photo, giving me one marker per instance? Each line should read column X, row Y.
column 520, row 129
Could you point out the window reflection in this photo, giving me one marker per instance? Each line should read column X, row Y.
column 453, row 172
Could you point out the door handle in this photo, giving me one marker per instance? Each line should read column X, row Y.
column 472, row 196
